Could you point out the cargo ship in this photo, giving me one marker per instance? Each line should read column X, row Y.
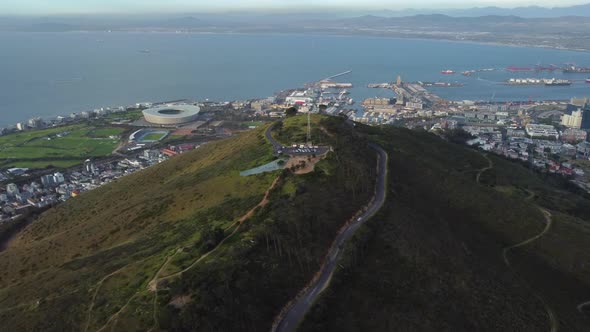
column 440, row 84
column 538, row 81
column 447, row 72
column 548, row 68
column 526, row 81
column 514, row 68
column 555, row 82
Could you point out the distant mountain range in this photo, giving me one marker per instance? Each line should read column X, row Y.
column 526, row 12
column 560, row 27
column 244, row 18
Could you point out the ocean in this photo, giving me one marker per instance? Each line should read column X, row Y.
column 49, row 74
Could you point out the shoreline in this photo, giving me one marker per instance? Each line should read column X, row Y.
column 312, row 33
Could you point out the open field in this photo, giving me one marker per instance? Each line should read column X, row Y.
column 61, row 146
column 155, row 136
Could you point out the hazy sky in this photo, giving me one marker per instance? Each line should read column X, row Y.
column 36, row 7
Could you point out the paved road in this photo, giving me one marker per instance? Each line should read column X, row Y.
column 297, row 311
column 276, row 146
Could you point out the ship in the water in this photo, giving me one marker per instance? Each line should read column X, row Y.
column 573, row 69
column 546, row 68
column 447, row 72
column 555, row 82
column 538, row 81
column 588, row 80
column 514, row 68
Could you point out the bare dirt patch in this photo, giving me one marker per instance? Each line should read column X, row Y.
column 303, row 164
column 180, row 301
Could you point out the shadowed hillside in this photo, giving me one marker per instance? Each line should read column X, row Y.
column 433, row 259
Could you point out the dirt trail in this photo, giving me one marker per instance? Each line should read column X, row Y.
column 548, row 223
column 490, row 166
column 153, row 284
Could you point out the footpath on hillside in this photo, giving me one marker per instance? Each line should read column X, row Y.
column 554, row 324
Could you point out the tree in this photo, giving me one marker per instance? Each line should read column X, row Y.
column 291, row 111
column 211, row 236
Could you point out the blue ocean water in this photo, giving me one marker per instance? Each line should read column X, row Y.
column 48, row 74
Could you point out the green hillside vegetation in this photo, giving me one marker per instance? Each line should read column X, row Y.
column 42, row 148
column 86, row 264
column 190, row 245
column 294, row 130
column 130, row 115
column 432, row 259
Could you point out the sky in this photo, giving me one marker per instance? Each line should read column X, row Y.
column 46, row 7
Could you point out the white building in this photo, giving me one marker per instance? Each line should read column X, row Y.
column 58, row 178
column 12, row 189
column 540, row 130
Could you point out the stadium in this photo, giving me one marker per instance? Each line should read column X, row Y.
column 171, row 114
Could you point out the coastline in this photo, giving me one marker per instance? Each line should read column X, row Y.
column 58, row 109
column 314, row 33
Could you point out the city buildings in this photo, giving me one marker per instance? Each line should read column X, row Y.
column 58, row 187
column 572, row 135
column 301, row 97
column 585, row 117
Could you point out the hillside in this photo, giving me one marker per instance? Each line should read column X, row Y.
column 449, row 253
column 464, row 241
column 188, row 243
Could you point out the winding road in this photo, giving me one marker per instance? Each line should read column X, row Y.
column 291, row 318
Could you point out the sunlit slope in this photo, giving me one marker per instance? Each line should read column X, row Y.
column 49, row 270
column 164, row 249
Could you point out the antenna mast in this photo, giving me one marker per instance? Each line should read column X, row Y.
column 308, row 128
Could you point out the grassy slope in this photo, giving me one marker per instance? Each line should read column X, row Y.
column 247, row 283
column 133, row 223
column 130, row 228
column 432, row 259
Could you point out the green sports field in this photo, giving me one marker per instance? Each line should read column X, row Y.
column 61, row 146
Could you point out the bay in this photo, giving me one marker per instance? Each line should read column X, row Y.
column 49, row 74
